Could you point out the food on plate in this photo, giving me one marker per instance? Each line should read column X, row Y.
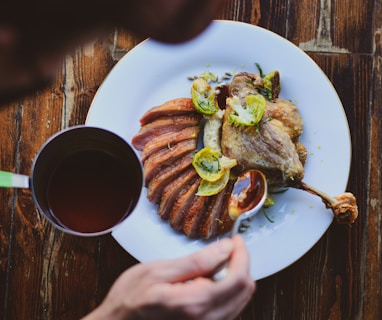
column 162, row 141
column 212, row 129
column 203, row 97
column 190, row 178
column 248, row 195
column 166, row 156
column 163, row 125
column 173, row 107
column 214, row 169
column 273, row 145
column 343, row 206
column 170, row 177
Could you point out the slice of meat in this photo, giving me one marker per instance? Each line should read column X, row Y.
column 216, row 219
column 170, row 192
column 162, row 125
column 162, row 178
column 173, row 107
column 167, row 140
column 165, row 157
column 194, row 215
column 183, row 205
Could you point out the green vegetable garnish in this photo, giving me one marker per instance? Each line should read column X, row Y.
column 208, row 188
column 264, row 91
column 270, row 84
column 249, row 114
column 211, row 165
column 266, row 216
column 260, row 70
column 214, row 169
column 203, row 97
column 208, row 76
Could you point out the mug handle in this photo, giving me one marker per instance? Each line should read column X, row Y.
column 13, row 180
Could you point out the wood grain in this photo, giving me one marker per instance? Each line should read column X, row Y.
column 45, row 274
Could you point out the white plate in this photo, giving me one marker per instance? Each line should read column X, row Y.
column 153, row 73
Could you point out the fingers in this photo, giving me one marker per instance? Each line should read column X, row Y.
column 239, row 269
column 207, row 262
column 240, row 257
column 235, row 290
column 223, row 299
column 202, row 263
column 183, row 286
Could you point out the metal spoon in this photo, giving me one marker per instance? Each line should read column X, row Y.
column 247, row 198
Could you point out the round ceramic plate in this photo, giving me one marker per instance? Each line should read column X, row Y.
column 153, row 73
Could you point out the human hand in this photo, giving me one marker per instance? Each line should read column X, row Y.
column 31, row 52
column 169, row 20
column 183, row 288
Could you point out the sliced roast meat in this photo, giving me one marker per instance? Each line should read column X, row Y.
column 195, row 214
column 171, row 191
column 183, row 205
column 173, row 107
column 216, row 219
column 164, row 157
column 163, row 125
column 167, row 174
column 167, row 140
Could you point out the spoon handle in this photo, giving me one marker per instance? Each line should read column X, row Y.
column 236, row 227
column 13, row 180
column 224, row 270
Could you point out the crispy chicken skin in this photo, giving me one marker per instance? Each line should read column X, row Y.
column 273, row 145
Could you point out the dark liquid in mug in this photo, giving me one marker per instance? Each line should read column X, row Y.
column 89, row 191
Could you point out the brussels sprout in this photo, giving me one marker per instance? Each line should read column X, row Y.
column 269, row 86
column 272, row 84
column 209, row 76
column 249, row 114
column 203, row 97
column 214, row 169
column 210, row 165
column 208, row 188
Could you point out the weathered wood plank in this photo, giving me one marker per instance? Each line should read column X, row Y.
column 28, row 228
column 45, row 274
column 10, row 136
column 372, row 244
column 337, row 26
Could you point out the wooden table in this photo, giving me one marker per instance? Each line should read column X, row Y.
column 45, row 274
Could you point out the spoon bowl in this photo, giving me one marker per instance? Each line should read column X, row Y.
column 247, row 198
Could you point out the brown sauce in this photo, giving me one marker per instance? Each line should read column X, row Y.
column 90, row 191
column 251, row 189
column 222, row 96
